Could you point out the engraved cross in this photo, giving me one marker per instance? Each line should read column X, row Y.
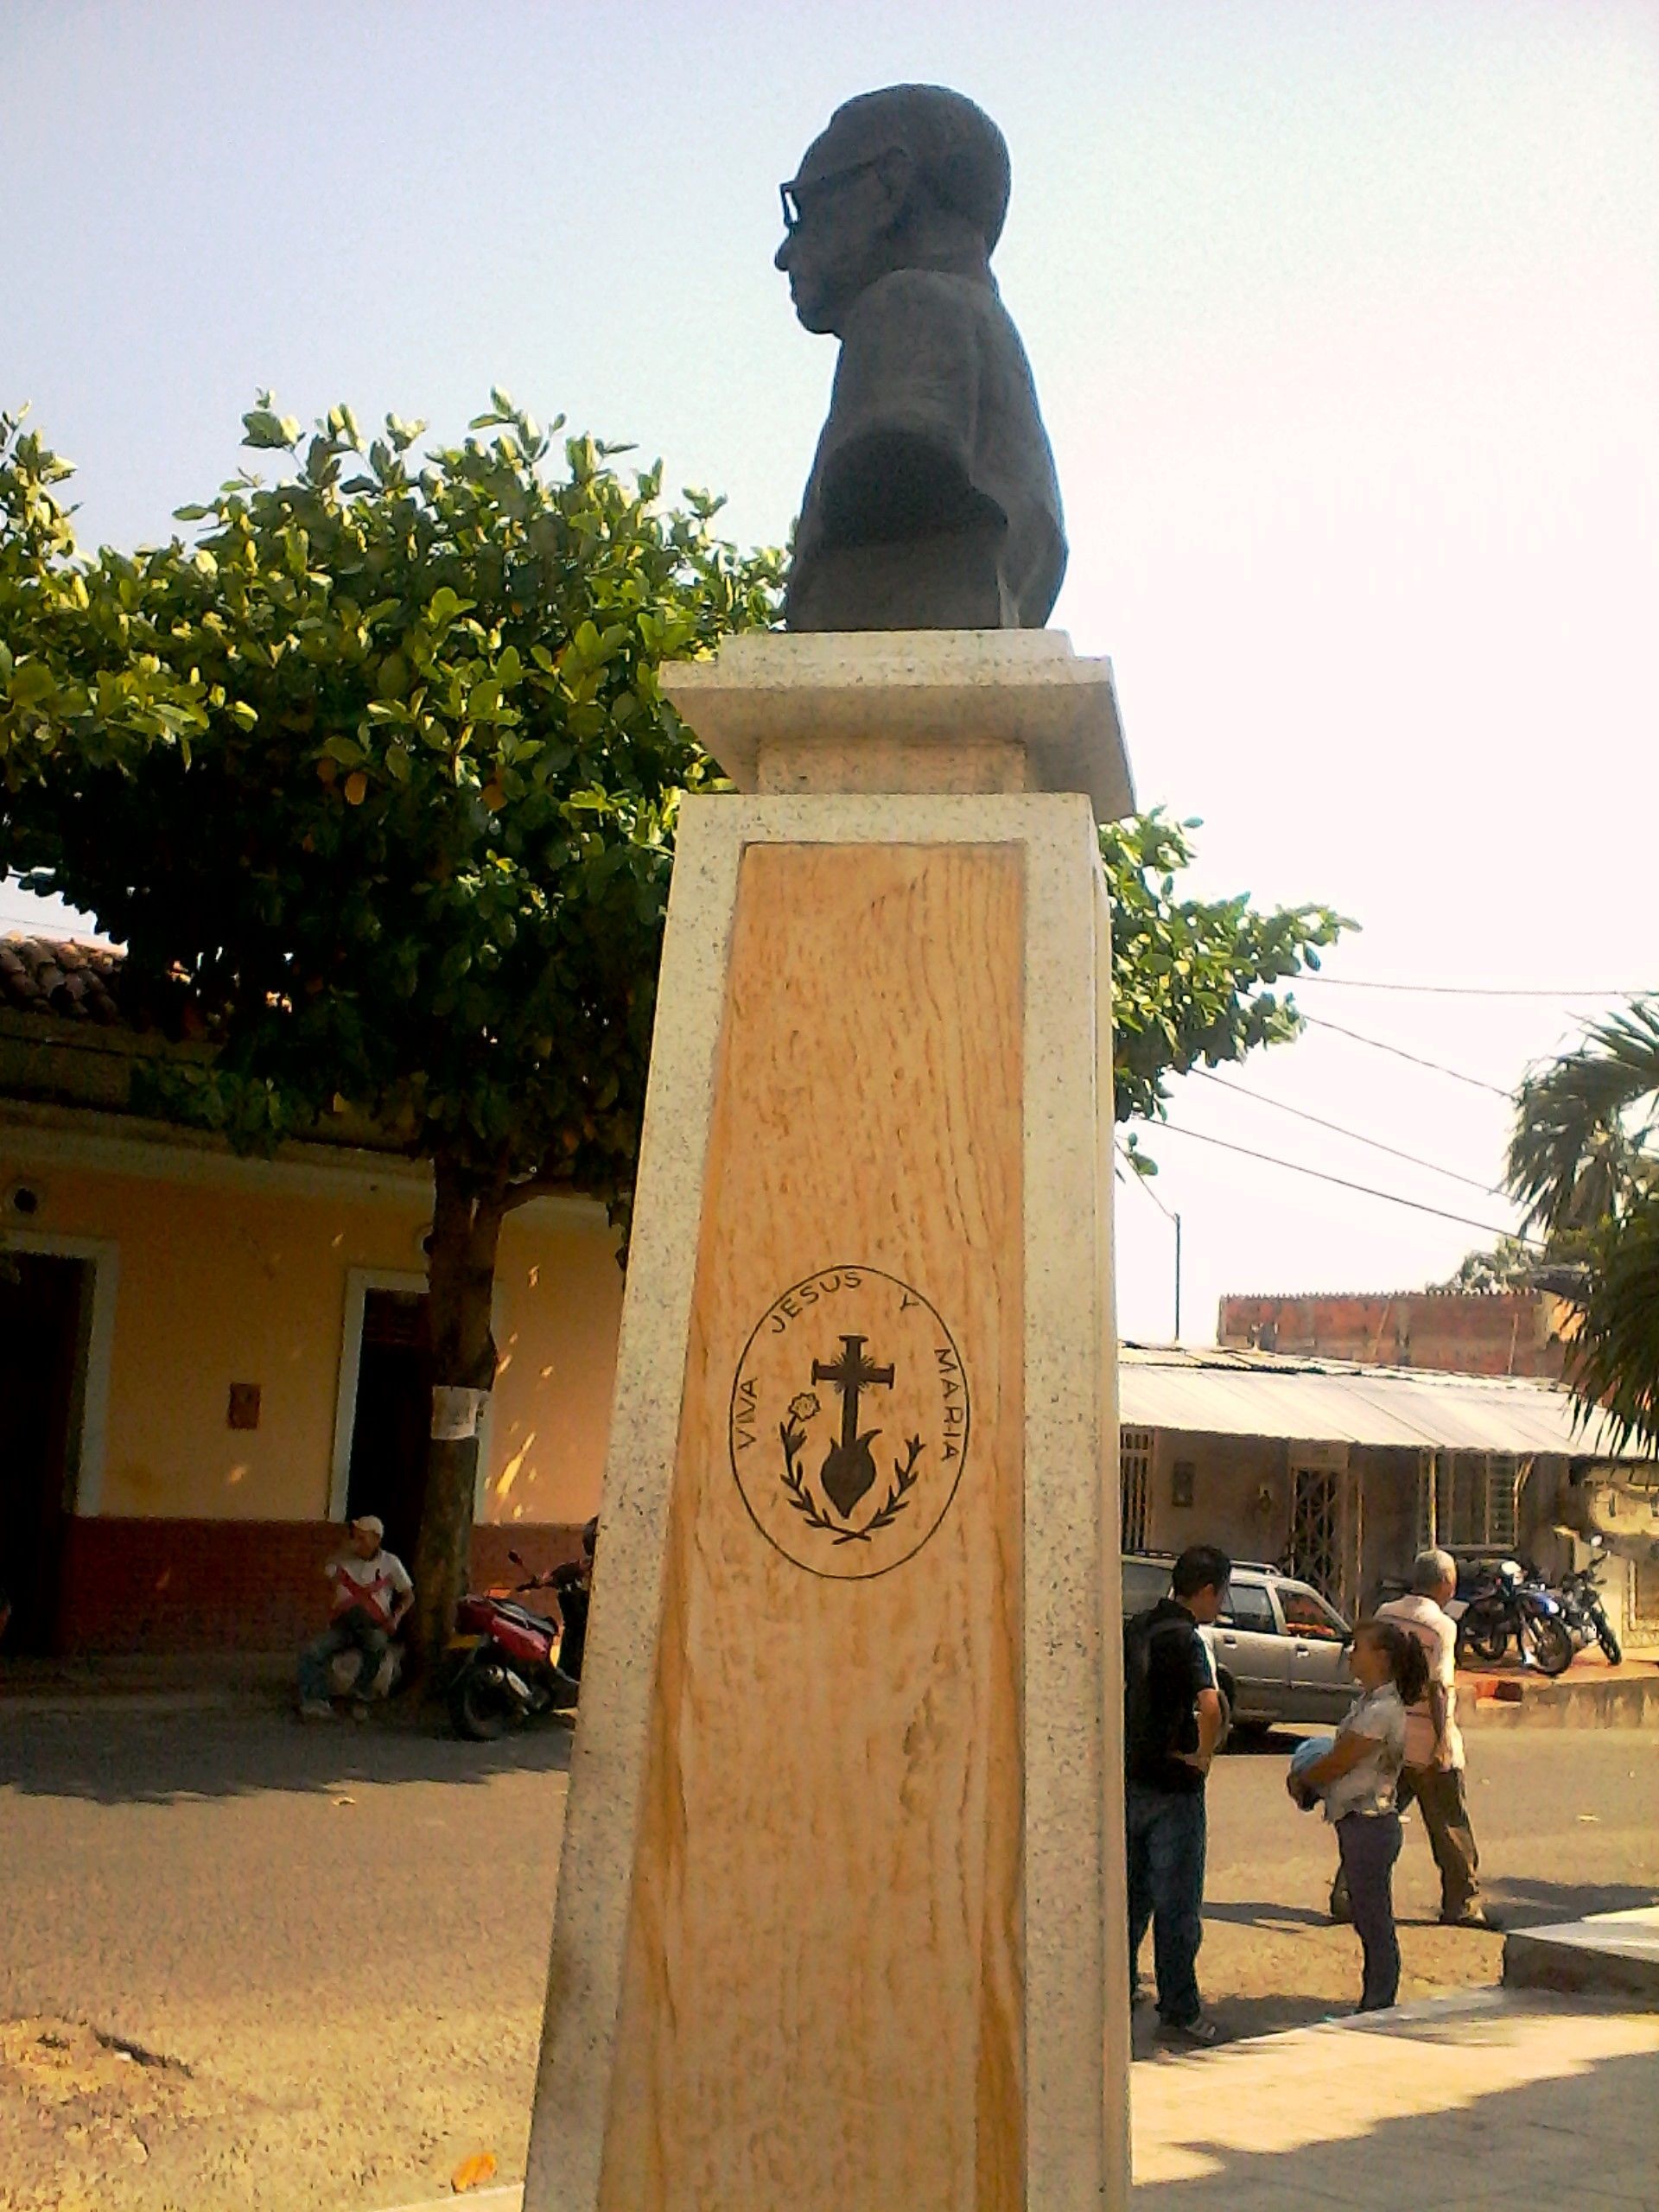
column 850, row 1374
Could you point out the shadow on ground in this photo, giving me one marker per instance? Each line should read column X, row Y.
column 1520, row 1902
column 1245, row 1742
column 153, row 1758
column 1524, row 2145
column 1237, row 2019
column 1254, row 1913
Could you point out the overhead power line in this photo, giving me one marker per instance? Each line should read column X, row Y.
column 1469, row 990
column 1399, row 1052
column 1145, row 1181
column 1365, row 1190
column 1488, row 1190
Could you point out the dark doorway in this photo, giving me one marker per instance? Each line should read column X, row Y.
column 42, row 1308
column 393, row 1418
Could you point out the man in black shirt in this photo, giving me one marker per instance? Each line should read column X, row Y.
column 1171, row 1726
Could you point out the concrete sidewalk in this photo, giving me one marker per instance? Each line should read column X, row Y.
column 202, row 1681
column 1494, row 2097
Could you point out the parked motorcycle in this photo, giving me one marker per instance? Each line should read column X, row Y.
column 1586, row 1615
column 1511, row 1606
column 505, row 1661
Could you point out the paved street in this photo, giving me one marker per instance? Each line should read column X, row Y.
column 341, row 1932
column 332, row 1942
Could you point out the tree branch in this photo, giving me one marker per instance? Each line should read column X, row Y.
column 537, row 1186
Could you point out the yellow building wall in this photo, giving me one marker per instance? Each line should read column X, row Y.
column 243, row 1285
column 558, row 1309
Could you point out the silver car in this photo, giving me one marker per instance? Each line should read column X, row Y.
column 1280, row 1651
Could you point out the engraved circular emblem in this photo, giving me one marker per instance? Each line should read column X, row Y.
column 850, row 1422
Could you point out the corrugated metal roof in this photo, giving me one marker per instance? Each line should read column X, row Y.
column 1335, row 1401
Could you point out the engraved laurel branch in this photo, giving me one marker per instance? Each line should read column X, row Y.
column 904, row 1479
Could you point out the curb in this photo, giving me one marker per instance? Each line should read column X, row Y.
column 1513, row 1701
column 1610, row 1954
column 508, row 2199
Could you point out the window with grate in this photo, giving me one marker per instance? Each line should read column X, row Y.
column 1135, row 1465
column 1502, row 1484
column 1477, row 1498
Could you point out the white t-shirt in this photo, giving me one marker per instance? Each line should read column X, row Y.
column 1368, row 1786
column 1437, row 1632
column 371, row 1583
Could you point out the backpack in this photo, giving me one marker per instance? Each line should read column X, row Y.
column 1153, row 1732
column 1138, row 1719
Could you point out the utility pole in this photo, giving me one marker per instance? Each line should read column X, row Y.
column 1170, row 1216
column 1176, row 1218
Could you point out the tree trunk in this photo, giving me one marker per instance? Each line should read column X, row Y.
column 460, row 1276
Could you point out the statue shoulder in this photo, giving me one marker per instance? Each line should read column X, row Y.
column 914, row 349
column 922, row 300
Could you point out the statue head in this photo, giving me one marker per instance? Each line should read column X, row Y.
column 911, row 177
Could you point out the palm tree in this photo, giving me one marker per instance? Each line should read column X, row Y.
column 1585, row 1164
column 1583, row 1147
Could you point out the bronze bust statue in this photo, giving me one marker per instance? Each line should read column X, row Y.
column 932, row 502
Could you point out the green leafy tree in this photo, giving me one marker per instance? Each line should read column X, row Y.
column 1583, row 1161
column 375, row 781
column 1193, row 980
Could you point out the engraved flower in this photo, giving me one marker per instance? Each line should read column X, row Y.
column 805, row 1407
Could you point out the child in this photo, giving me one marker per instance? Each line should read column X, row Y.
column 1356, row 1777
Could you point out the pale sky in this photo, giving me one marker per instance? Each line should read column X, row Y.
column 1345, row 320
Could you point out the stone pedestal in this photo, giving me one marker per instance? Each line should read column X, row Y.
column 840, row 1922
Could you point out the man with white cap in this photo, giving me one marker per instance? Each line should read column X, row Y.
column 1433, row 1772
column 372, row 1593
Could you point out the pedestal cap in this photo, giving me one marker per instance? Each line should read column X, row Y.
column 909, row 710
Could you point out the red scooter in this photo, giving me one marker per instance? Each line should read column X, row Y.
column 506, row 1661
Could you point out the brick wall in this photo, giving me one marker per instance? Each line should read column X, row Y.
column 1454, row 1333
column 162, row 1585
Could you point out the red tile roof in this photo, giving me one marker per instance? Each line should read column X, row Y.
column 59, row 975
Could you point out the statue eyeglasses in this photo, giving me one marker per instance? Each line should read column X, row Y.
column 818, row 188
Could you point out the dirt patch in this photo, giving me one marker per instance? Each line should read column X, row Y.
column 93, row 2121
column 79, row 2105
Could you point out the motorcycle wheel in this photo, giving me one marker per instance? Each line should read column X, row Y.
column 1552, row 1646
column 1610, row 1645
column 1481, row 1638
column 481, row 1708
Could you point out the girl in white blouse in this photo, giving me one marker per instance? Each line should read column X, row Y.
column 1357, row 1777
